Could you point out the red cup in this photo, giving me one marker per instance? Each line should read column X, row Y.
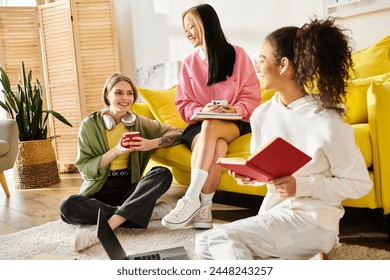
column 129, row 136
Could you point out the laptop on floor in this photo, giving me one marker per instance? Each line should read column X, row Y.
column 115, row 250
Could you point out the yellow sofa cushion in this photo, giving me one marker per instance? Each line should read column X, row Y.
column 266, row 94
column 178, row 156
column 179, row 159
column 240, row 146
column 143, row 110
column 356, row 98
column 162, row 106
column 373, row 60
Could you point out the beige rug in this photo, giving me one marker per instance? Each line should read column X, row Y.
column 55, row 239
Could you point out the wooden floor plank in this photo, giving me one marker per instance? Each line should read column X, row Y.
column 12, row 218
column 27, row 208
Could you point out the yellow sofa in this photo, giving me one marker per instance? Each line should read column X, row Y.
column 368, row 103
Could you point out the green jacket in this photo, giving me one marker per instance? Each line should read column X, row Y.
column 92, row 144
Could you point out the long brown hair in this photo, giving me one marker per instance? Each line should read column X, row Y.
column 221, row 55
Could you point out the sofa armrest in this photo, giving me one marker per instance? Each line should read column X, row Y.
column 9, row 133
column 378, row 101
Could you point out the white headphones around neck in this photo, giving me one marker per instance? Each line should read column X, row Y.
column 127, row 120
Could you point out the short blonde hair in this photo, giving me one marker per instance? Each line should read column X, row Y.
column 111, row 82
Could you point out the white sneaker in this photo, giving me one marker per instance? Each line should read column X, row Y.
column 84, row 239
column 204, row 219
column 161, row 209
column 184, row 212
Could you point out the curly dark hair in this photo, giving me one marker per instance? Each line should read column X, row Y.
column 321, row 57
column 323, row 61
column 282, row 41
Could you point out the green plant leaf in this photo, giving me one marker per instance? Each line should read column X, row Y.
column 8, row 93
column 22, row 133
column 43, row 123
column 59, row 117
column 44, row 133
column 7, row 108
column 4, row 79
column 26, row 106
column 36, row 122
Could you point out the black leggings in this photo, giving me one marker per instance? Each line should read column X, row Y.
column 118, row 196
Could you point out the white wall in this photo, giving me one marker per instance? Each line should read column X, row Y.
column 368, row 28
column 150, row 31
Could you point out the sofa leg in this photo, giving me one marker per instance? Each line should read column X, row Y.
column 3, row 183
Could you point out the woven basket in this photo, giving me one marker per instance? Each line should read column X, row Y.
column 36, row 165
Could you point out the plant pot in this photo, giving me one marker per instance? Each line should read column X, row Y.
column 36, row 165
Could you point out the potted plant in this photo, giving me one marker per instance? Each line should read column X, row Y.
column 36, row 164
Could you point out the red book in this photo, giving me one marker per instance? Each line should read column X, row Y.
column 276, row 159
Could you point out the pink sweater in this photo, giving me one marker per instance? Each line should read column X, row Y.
column 242, row 89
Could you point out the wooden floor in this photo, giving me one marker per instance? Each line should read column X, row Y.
column 26, row 208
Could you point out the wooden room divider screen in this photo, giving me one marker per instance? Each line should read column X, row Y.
column 19, row 41
column 71, row 47
column 80, row 51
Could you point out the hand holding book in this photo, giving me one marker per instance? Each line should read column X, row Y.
column 218, row 109
column 276, row 159
column 244, row 180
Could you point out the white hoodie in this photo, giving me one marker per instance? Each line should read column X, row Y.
column 337, row 170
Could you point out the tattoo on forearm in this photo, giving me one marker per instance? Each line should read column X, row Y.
column 166, row 141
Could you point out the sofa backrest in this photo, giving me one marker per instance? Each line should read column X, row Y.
column 373, row 60
column 160, row 105
column 356, row 98
column 371, row 64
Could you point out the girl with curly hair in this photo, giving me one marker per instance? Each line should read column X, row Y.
column 299, row 217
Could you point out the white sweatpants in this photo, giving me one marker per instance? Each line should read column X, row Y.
column 275, row 234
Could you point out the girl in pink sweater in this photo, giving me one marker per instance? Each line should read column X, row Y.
column 217, row 70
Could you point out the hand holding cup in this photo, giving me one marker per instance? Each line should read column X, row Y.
column 128, row 141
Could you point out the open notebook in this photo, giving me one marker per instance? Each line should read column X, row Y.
column 115, row 250
column 200, row 116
